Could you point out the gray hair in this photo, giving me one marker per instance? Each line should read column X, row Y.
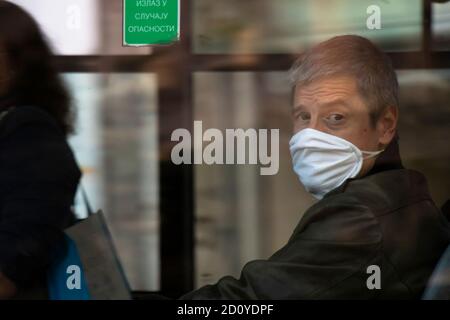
column 354, row 56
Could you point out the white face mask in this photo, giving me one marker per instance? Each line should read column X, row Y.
column 323, row 161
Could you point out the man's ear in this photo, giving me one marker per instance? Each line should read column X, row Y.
column 387, row 125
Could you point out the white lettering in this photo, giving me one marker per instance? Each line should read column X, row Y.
column 374, row 20
column 249, row 145
column 183, row 147
column 73, row 17
column 74, row 280
column 374, row 281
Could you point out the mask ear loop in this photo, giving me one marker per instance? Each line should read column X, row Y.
column 371, row 154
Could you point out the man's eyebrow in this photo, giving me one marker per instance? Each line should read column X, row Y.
column 298, row 107
column 327, row 104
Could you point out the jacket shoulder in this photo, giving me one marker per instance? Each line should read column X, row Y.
column 387, row 191
column 32, row 145
column 20, row 116
column 340, row 218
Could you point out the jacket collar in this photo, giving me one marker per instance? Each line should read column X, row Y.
column 392, row 184
column 389, row 159
column 386, row 191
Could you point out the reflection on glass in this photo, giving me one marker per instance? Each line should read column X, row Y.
column 240, row 214
column 70, row 25
column 424, row 127
column 116, row 145
column 243, row 216
column 441, row 26
column 86, row 142
column 81, row 27
column 266, row 26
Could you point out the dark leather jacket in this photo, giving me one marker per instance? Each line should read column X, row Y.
column 38, row 181
column 386, row 219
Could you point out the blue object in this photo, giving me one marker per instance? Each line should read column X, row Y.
column 65, row 278
column 438, row 287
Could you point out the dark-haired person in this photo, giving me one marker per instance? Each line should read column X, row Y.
column 38, row 172
column 375, row 232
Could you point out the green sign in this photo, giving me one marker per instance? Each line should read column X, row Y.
column 148, row 22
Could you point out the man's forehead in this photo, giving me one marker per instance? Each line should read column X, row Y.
column 326, row 90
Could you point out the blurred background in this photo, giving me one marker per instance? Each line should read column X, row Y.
column 179, row 227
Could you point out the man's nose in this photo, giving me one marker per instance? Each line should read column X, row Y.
column 314, row 123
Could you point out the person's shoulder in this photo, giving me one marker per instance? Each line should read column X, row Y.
column 351, row 212
column 32, row 117
column 388, row 190
column 340, row 218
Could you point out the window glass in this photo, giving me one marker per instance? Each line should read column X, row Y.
column 116, row 144
column 424, row 127
column 289, row 26
column 441, row 26
column 81, row 27
column 241, row 215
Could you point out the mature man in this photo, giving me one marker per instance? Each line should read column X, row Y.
column 373, row 217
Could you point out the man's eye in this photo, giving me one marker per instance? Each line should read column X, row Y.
column 336, row 118
column 304, row 116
